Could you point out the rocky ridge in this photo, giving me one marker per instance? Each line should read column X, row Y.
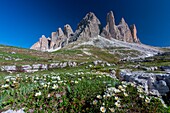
column 89, row 27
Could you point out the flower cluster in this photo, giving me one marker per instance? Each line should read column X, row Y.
column 121, row 97
column 74, row 91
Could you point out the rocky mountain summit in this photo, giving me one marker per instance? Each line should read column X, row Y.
column 89, row 27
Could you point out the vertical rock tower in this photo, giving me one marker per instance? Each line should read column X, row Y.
column 89, row 27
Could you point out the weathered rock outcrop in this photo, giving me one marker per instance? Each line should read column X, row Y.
column 120, row 32
column 58, row 39
column 61, row 38
column 60, row 33
column 42, row 45
column 68, row 31
column 89, row 27
column 154, row 83
column 37, row 67
column 134, row 33
column 53, row 40
column 125, row 33
column 111, row 29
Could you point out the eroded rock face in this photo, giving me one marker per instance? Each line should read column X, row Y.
column 60, row 38
column 60, row 33
column 134, row 33
column 111, row 28
column 36, row 46
column 125, row 33
column 42, row 45
column 68, row 30
column 68, row 33
column 53, row 40
column 89, row 27
column 37, row 67
column 105, row 33
column 153, row 83
column 120, row 32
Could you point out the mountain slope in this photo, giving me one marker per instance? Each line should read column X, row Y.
column 101, row 42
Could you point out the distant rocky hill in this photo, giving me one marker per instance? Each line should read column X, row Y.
column 89, row 27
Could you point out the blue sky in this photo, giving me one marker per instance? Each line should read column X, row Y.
column 22, row 22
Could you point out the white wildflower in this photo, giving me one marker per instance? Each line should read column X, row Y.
column 58, row 78
column 13, row 79
column 79, row 79
column 147, row 100
column 103, row 109
column 141, row 96
column 113, row 94
column 48, row 83
column 140, row 90
column 42, row 83
column 112, row 110
column 125, row 94
column 5, row 86
column 95, row 102
column 117, row 91
column 54, row 81
column 55, row 86
column 123, row 90
column 124, row 86
column 116, row 98
column 37, row 78
column 117, row 104
column 49, row 96
column 108, row 95
column 120, row 87
column 76, row 82
column 60, row 82
column 7, row 80
column 45, row 85
column 38, row 94
column 99, row 96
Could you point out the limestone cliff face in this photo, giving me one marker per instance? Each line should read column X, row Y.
column 68, row 31
column 89, row 27
column 125, row 33
column 134, row 33
column 110, row 30
column 53, row 40
column 58, row 39
column 36, row 46
column 120, row 32
column 42, row 45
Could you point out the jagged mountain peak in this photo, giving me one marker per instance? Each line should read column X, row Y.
column 90, row 27
column 88, row 19
column 110, row 17
column 134, row 33
column 90, row 16
column 122, row 21
column 68, row 31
